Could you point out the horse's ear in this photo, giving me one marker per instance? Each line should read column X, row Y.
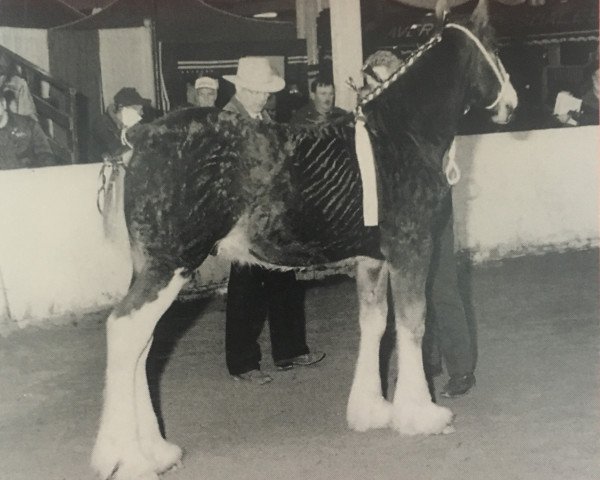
column 441, row 11
column 480, row 16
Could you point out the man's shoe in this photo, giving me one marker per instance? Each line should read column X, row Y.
column 300, row 361
column 458, row 386
column 253, row 376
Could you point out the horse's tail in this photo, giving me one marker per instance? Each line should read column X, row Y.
column 111, row 195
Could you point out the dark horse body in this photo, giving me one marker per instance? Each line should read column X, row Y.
column 285, row 196
column 292, row 194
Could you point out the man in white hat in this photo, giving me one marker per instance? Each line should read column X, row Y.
column 206, row 91
column 255, row 292
column 254, row 82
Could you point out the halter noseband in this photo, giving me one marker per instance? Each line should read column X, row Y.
column 500, row 73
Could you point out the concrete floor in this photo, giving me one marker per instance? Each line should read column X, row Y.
column 533, row 414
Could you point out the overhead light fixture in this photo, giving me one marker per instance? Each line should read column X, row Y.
column 265, row 15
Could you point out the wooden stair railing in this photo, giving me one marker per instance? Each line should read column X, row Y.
column 61, row 110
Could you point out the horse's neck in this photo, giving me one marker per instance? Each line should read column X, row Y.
column 430, row 101
column 442, row 101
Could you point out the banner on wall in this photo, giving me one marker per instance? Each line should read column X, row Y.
column 555, row 21
column 182, row 63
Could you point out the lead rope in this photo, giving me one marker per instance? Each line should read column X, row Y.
column 124, row 140
column 106, row 178
column 451, row 169
column 114, row 163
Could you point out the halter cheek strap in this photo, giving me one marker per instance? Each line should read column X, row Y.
column 499, row 70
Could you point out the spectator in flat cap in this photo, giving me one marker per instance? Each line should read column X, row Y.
column 206, row 91
column 203, row 93
column 108, row 132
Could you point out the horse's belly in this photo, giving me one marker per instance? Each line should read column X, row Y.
column 275, row 245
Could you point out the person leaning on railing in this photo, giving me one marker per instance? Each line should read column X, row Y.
column 23, row 144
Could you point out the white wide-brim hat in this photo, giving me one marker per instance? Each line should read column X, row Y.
column 256, row 73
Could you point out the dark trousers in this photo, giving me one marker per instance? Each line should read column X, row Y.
column 449, row 331
column 253, row 294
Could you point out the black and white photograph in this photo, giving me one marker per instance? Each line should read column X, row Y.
column 299, row 239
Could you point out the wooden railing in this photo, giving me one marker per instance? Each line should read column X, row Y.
column 60, row 107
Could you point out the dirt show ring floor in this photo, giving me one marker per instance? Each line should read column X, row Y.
column 533, row 414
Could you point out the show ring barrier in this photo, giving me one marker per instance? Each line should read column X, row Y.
column 520, row 193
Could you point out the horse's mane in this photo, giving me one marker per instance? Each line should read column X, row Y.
column 403, row 111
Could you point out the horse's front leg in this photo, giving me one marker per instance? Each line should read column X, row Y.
column 118, row 453
column 413, row 411
column 367, row 408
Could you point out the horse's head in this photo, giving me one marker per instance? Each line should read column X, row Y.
column 490, row 86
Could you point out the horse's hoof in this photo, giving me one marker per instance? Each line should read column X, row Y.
column 449, row 429
column 136, row 468
column 165, row 456
column 367, row 413
column 412, row 418
column 135, row 471
column 104, row 461
column 112, row 462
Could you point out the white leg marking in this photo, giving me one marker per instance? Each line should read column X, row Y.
column 367, row 408
column 163, row 455
column 117, row 453
column 413, row 411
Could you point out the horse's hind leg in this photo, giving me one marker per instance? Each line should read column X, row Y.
column 413, row 410
column 367, row 408
column 127, row 411
column 162, row 454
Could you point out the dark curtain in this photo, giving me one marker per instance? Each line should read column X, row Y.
column 75, row 58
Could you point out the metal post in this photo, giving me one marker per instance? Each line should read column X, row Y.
column 346, row 49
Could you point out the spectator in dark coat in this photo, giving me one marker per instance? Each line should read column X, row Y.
column 11, row 80
column 108, row 133
column 23, row 143
column 255, row 293
column 321, row 108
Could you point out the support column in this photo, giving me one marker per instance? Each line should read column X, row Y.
column 307, row 12
column 346, row 49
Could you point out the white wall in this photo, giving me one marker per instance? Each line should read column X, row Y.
column 525, row 192
column 53, row 257
column 126, row 61
column 29, row 43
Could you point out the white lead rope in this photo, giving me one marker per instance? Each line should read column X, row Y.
column 124, row 140
column 451, row 169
